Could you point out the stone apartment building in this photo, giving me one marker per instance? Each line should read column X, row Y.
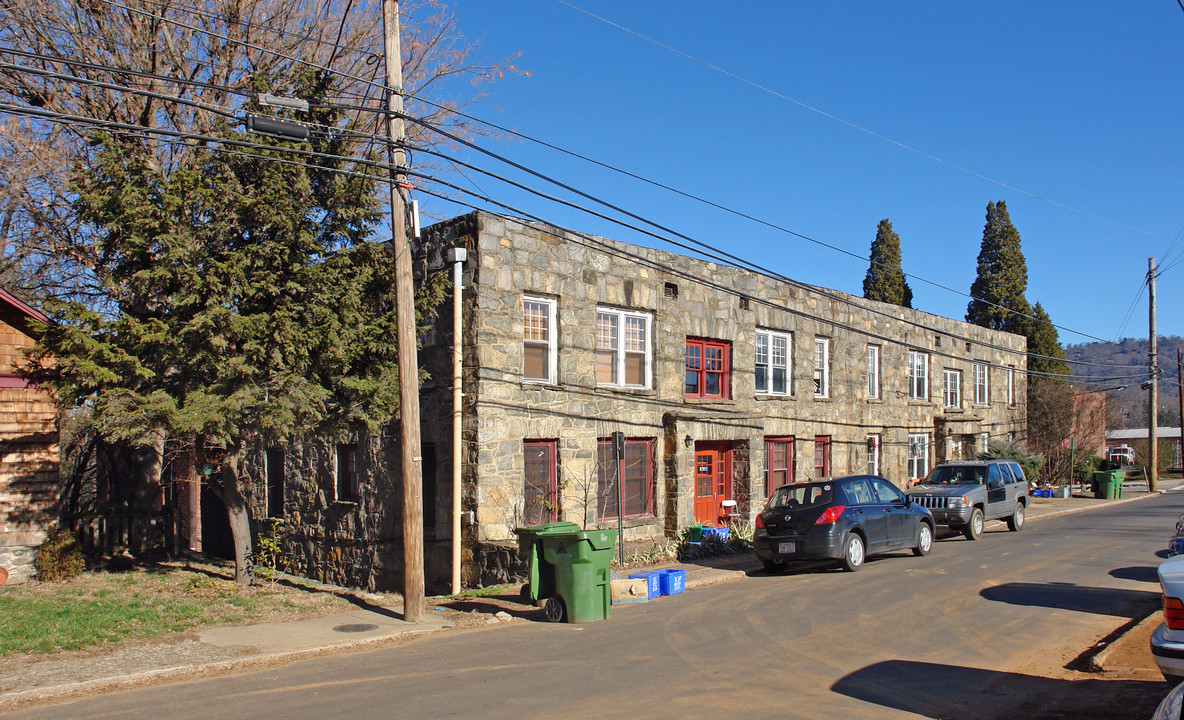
column 723, row 383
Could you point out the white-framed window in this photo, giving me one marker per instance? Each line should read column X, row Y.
column 984, row 439
column 873, row 372
column 952, row 384
column 981, row 389
column 918, row 375
column 772, row 372
column 918, row 455
column 873, row 454
column 623, row 354
column 538, row 339
column 1011, row 386
column 821, row 367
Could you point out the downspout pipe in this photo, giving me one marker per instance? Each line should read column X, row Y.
column 457, row 257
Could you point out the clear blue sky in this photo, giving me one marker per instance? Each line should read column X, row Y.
column 1069, row 111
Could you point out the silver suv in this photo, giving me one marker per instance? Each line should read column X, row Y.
column 964, row 494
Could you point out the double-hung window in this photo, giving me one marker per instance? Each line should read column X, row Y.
column 637, row 478
column 707, row 369
column 873, row 371
column 821, row 367
column 873, row 454
column 918, row 455
column 538, row 339
column 540, row 489
column 952, row 384
column 623, row 356
column 1011, row 386
column 772, row 372
column 918, row 375
column 981, row 389
column 778, row 463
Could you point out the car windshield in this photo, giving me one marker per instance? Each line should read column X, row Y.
column 957, row 475
column 802, row 496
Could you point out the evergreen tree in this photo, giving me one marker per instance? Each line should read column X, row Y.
column 249, row 305
column 1044, row 341
column 885, row 279
column 998, row 291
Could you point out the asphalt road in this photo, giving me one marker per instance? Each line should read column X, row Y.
column 975, row 631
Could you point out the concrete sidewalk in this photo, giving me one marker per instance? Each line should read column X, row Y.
column 220, row 649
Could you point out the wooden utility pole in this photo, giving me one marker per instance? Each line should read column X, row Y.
column 413, row 583
column 1180, row 388
column 1153, row 402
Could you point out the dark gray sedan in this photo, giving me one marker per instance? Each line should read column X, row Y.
column 845, row 519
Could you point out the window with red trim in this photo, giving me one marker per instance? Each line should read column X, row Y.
column 637, row 478
column 539, row 485
column 707, row 368
column 821, row 456
column 778, row 463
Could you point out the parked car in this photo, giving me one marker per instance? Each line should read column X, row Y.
column 845, row 519
column 1167, row 642
column 964, row 494
column 1171, row 706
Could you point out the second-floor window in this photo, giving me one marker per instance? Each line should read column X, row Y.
column 772, row 362
column 952, row 382
column 1011, row 386
column 538, row 339
column 707, row 370
column 918, row 375
column 981, row 389
column 873, row 371
column 821, row 367
column 622, row 348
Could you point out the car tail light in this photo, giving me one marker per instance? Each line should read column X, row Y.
column 760, row 521
column 1173, row 612
column 832, row 513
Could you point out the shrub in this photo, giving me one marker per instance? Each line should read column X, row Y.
column 1030, row 463
column 59, row 557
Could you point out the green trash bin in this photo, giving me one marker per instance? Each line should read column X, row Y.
column 540, row 575
column 1107, row 484
column 581, row 559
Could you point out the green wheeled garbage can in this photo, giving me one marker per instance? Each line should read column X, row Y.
column 540, row 574
column 581, row 560
column 1107, row 484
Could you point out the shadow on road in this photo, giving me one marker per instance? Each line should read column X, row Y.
column 1141, row 573
column 950, row 691
column 1067, row 596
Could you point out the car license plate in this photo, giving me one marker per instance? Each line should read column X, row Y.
column 787, row 547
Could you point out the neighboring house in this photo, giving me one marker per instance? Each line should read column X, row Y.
column 29, row 483
column 1089, row 423
column 1167, row 439
column 725, row 383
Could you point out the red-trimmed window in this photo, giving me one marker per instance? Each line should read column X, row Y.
column 637, row 478
column 778, row 463
column 821, row 456
column 708, row 368
column 539, row 486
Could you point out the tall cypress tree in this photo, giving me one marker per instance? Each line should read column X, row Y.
column 885, row 279
column 1044, row 341
column 997, row 293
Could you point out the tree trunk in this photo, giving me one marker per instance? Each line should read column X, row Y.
column 227, row 486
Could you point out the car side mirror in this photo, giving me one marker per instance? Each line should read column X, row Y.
column 994, row 484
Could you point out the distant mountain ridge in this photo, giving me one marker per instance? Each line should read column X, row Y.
column 1114, row 364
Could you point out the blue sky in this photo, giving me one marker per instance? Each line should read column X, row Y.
column 1070, row 112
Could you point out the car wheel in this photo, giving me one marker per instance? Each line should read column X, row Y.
column 1016, row 521
column 924, row 540
column 974, row 528
column 853, row 552
column 775, row 566
column 554, row 610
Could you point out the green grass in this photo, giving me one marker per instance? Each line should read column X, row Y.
column 104, row 609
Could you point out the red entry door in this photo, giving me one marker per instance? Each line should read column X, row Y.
column 713, row 481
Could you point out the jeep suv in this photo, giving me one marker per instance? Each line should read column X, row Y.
column 964, row 494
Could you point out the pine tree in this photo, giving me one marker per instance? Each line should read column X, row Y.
column 1043, row 341
column 998, row 291
column 250, row 305
column 885, row 280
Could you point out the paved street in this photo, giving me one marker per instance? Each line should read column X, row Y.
column 975, row 630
